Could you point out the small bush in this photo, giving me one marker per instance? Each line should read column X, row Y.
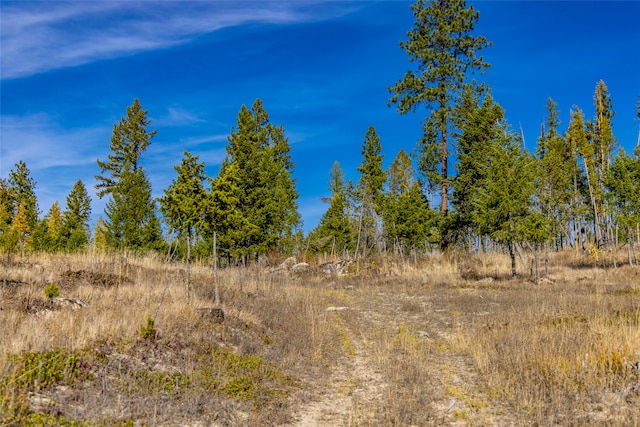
column 148, row 331
column 52, row 291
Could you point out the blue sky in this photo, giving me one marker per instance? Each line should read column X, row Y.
column 69, row 69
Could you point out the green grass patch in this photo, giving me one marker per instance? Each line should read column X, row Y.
column 37, row 370
column 243, row 377
column 33, row 371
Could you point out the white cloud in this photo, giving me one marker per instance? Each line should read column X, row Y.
column 41, row 36
column 41, row 144
column 177, row 116
column 56, row 157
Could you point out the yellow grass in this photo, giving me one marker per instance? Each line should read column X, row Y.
column 441, row 340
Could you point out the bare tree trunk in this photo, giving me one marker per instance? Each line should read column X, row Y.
column 537, row 259
column 546, row 260
column 629, row 245
column 444, row 186
column 596, row 220
column 633, row 250
column 215, row 268
column 512, row 254
column 188, row 266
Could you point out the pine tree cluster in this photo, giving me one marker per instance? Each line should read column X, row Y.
column 577, row 190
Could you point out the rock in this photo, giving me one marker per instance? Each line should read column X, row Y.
column 301, row 267
column 69, row 302
column 341, row 308
column 39, row 402
column 287, row 263
column 328, row 268
column 337, row 268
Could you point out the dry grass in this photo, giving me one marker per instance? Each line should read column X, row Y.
column 447, row 340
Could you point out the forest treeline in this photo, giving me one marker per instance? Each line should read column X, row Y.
column 579, row 189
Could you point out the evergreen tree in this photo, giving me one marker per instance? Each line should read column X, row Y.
column 582, row 191
column 281, row 213
column 40, row 237
column 600, row 134
column 23, row 190
column 406, row 215
column 21, row 229
column 267, row 197
column 75, row 233
column 412, row 220
column 429, row 157
column 129, row 140
column 185, row 203
column 225, row 217
column 559, row 169
column 370, row 191
column 480, row 124
column 504, row 202
column 7, row 209
column 443, row 45
column 334, row 233
column 623, row 181
column 131, row 221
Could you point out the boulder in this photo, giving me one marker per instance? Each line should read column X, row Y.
column 301, row 267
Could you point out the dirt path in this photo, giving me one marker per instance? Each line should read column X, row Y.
column 375, row 380
column 357, row 389
column 355, row 381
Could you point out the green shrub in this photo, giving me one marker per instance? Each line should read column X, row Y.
column 42, row 369
column 52, row 291
column 148, row 331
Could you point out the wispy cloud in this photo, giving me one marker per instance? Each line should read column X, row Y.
column 41, row 144
column 56, row 157
column 178, row 116
column 41, row 36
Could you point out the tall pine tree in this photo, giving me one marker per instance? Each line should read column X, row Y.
column 504, row 201
column 370, row 191
column 129, row 140
column 480, row 122
column 335, row 233
column 266, row 193
column 185, row 203
column 74, row 232
column 406, row 215
column 131, row 221
column 23, row 190
column 225, row 216
column 443, row 44
column 603, row 142
column 7, row 203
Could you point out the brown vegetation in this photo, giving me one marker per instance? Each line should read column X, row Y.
column 445, row 340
